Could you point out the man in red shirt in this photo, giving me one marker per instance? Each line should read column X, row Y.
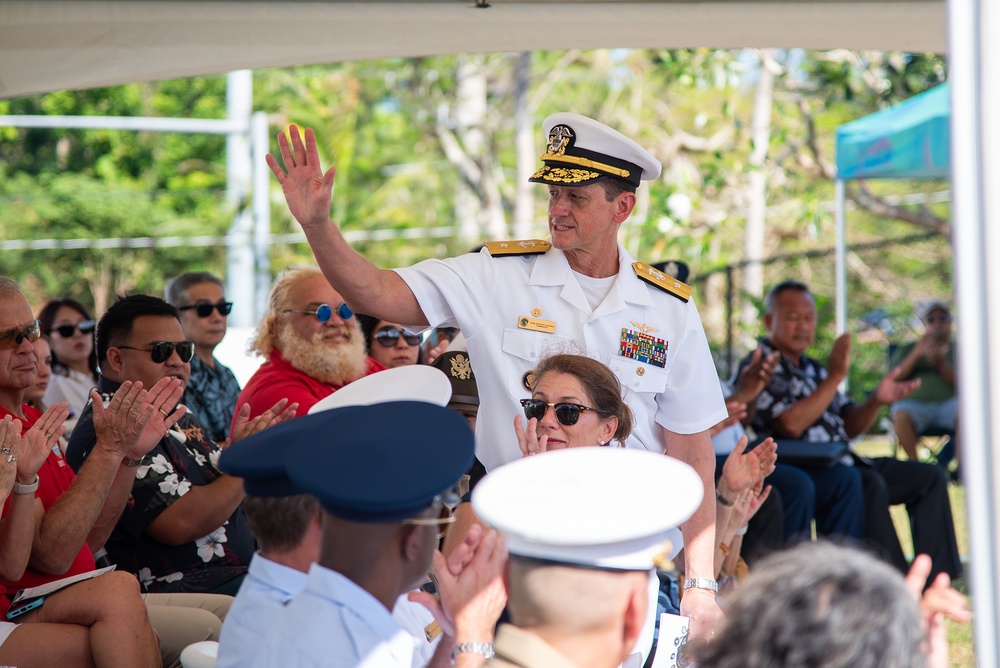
column 312, row 343
column 98, row 622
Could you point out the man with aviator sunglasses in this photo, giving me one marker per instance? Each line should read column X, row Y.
column 311, row 342
column 212, row 388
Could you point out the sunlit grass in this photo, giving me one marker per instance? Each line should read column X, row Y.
column 959, row 635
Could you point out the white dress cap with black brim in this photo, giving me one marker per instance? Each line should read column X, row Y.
column 604, row 508
column 380, row 463
column 580, row 151
column 416, row 382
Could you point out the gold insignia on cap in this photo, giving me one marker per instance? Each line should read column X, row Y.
column 643, row 327
column 559, row 137
column 461, row 368
column 522, row 247
column 666, row 283
column 563, row 174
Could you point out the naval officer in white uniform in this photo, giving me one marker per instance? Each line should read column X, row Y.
column 580, row 292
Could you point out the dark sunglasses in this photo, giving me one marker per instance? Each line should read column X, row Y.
column 13, row 338
column 567, row 414
column 162, row 350
column 66, row 331
column 204, row 309
column 938, row 318
column 323, row 312
column 388, row 337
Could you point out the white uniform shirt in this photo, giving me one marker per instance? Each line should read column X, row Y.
column 487, row 297
column 268, row 587
column 334, row 623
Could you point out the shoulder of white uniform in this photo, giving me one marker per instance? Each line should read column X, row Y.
column 662, row 281
column 517, row 247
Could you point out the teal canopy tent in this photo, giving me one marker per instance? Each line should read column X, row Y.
column 907, row 141
column 910, row 140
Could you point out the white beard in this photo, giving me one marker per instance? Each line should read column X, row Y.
column 334, row 363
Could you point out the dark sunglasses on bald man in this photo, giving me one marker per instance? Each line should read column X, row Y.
column 66, row 331
column 161, row 351
column 388, row 337
column 14, row 337
column 567, row 414
column 323, row 312
column 205, row 309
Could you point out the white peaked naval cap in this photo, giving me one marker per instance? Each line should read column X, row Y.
column 600, row 507
column 416, row 382
column 580, row 151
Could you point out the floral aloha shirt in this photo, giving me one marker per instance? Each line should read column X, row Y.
column 789, row 384
column 184, row 458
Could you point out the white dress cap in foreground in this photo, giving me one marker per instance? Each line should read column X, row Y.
column 600, row 507
column 417, row 382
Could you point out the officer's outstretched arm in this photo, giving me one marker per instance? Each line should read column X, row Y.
column 308, row 191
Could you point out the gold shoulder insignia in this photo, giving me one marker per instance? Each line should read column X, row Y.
column 666, row 283
column 521, row 247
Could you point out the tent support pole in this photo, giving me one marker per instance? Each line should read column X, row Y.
column 975, row 172
column 841, row 264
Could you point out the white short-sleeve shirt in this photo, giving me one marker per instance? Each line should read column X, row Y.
column 488, row 297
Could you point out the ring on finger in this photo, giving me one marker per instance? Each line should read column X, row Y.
column 11, row 458
column 5, row 450
column 165, row 413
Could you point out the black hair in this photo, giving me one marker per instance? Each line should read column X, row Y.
column 116, row 323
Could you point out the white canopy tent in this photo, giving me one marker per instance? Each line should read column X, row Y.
column 54, row 45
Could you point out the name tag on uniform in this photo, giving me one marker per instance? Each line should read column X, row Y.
column 536, row 324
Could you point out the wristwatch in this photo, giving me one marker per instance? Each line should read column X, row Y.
column 26, row 489
column 702, row 583
column 483, row 649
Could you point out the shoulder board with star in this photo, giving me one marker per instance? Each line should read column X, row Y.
column 518, row 247
column 663, row 281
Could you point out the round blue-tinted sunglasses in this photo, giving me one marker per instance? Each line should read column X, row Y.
column 324, row 312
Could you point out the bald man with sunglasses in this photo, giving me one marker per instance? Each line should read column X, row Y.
column 183, row 530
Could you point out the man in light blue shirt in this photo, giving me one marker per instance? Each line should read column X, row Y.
column 288, row 531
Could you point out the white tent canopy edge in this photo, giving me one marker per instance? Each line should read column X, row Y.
column 60, row 45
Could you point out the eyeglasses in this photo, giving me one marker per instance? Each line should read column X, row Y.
column 205, row 309
column 12, row 338
column 162, row 350
column 66, row 331
column 323, row 312
column 445, row 503
column 938, row 318
column 567, row 414
column 388, row 337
